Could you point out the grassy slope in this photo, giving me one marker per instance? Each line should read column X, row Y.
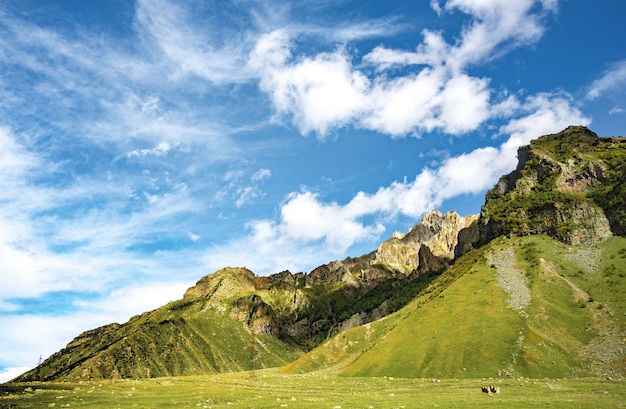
column 575, row 320
column 182, row 338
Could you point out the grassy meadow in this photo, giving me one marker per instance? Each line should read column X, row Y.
column 270, row 389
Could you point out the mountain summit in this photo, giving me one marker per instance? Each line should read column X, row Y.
column 570, row 186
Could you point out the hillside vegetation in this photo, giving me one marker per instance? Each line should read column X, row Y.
column 474, row 321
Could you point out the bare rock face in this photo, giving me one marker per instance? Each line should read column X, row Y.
column 566, row 185
column 436, row 231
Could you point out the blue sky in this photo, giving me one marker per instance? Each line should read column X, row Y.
column 146, row 144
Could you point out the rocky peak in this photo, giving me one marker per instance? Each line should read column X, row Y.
column 439, row 232
column 223, row 284
column 566, row 185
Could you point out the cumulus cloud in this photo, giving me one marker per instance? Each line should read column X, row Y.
column 326, row 91
column 320, row 92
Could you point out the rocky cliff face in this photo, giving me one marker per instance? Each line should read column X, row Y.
column 437, row 232
column 308, row 307
column 569, row 186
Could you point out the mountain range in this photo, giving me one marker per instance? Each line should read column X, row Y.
column 531, row 286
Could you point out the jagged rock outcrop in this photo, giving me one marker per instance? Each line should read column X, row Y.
column 289, row 306
column 569, row 185
column 436, row 231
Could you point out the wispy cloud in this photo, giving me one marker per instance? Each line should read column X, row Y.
column 613, row 79
column 56, row 244
column 194, row 48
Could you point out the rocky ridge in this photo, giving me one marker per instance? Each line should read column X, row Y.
column 438, row 233
column 287, row 305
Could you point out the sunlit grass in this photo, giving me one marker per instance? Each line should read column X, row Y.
column 270, row 389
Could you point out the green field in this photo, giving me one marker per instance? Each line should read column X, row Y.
column 269, row 389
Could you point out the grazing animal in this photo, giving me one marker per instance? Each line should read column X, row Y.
column 490, row 389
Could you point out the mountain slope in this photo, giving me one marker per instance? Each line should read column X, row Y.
column 529, row 307
column 185, row 337
column 518, row 304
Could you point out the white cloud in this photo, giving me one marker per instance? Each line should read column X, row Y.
column 26, row 337
column 53, row 245
column 246, row 194
column 495, row 24
column 10, row 373
column 159, row 150
column 305, row 218
column 544, row 114
column 14, row 159
column 241, row 191
column 193, row 48
column 261, row 175
column 613, row 79
column 136, row 299
column 321, row 92
column 193, row 237
column 326, row 91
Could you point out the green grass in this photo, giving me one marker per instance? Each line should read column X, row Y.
column 180, row 338
column 461, row 327
column 449, row 336
column 269, row 389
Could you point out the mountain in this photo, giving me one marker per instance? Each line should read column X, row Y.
column 533, row 286
column 233, row 320
column 524, row 307
column 536, row 289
